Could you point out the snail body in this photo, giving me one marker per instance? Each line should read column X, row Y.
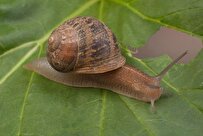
column 126, row 80
column 84, row 52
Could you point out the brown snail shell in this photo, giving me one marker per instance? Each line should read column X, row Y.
column 85, row 45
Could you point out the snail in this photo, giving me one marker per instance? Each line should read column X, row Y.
column 84, row 52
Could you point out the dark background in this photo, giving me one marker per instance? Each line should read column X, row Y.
column 171, row 42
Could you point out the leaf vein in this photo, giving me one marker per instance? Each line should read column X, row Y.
column 24, row 103
column 24, row 45
column 26, row 96
column 27, row 55
column 179, row 11
column 101, row 126
column 101, row 9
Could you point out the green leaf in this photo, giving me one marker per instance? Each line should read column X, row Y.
column 31, row 105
